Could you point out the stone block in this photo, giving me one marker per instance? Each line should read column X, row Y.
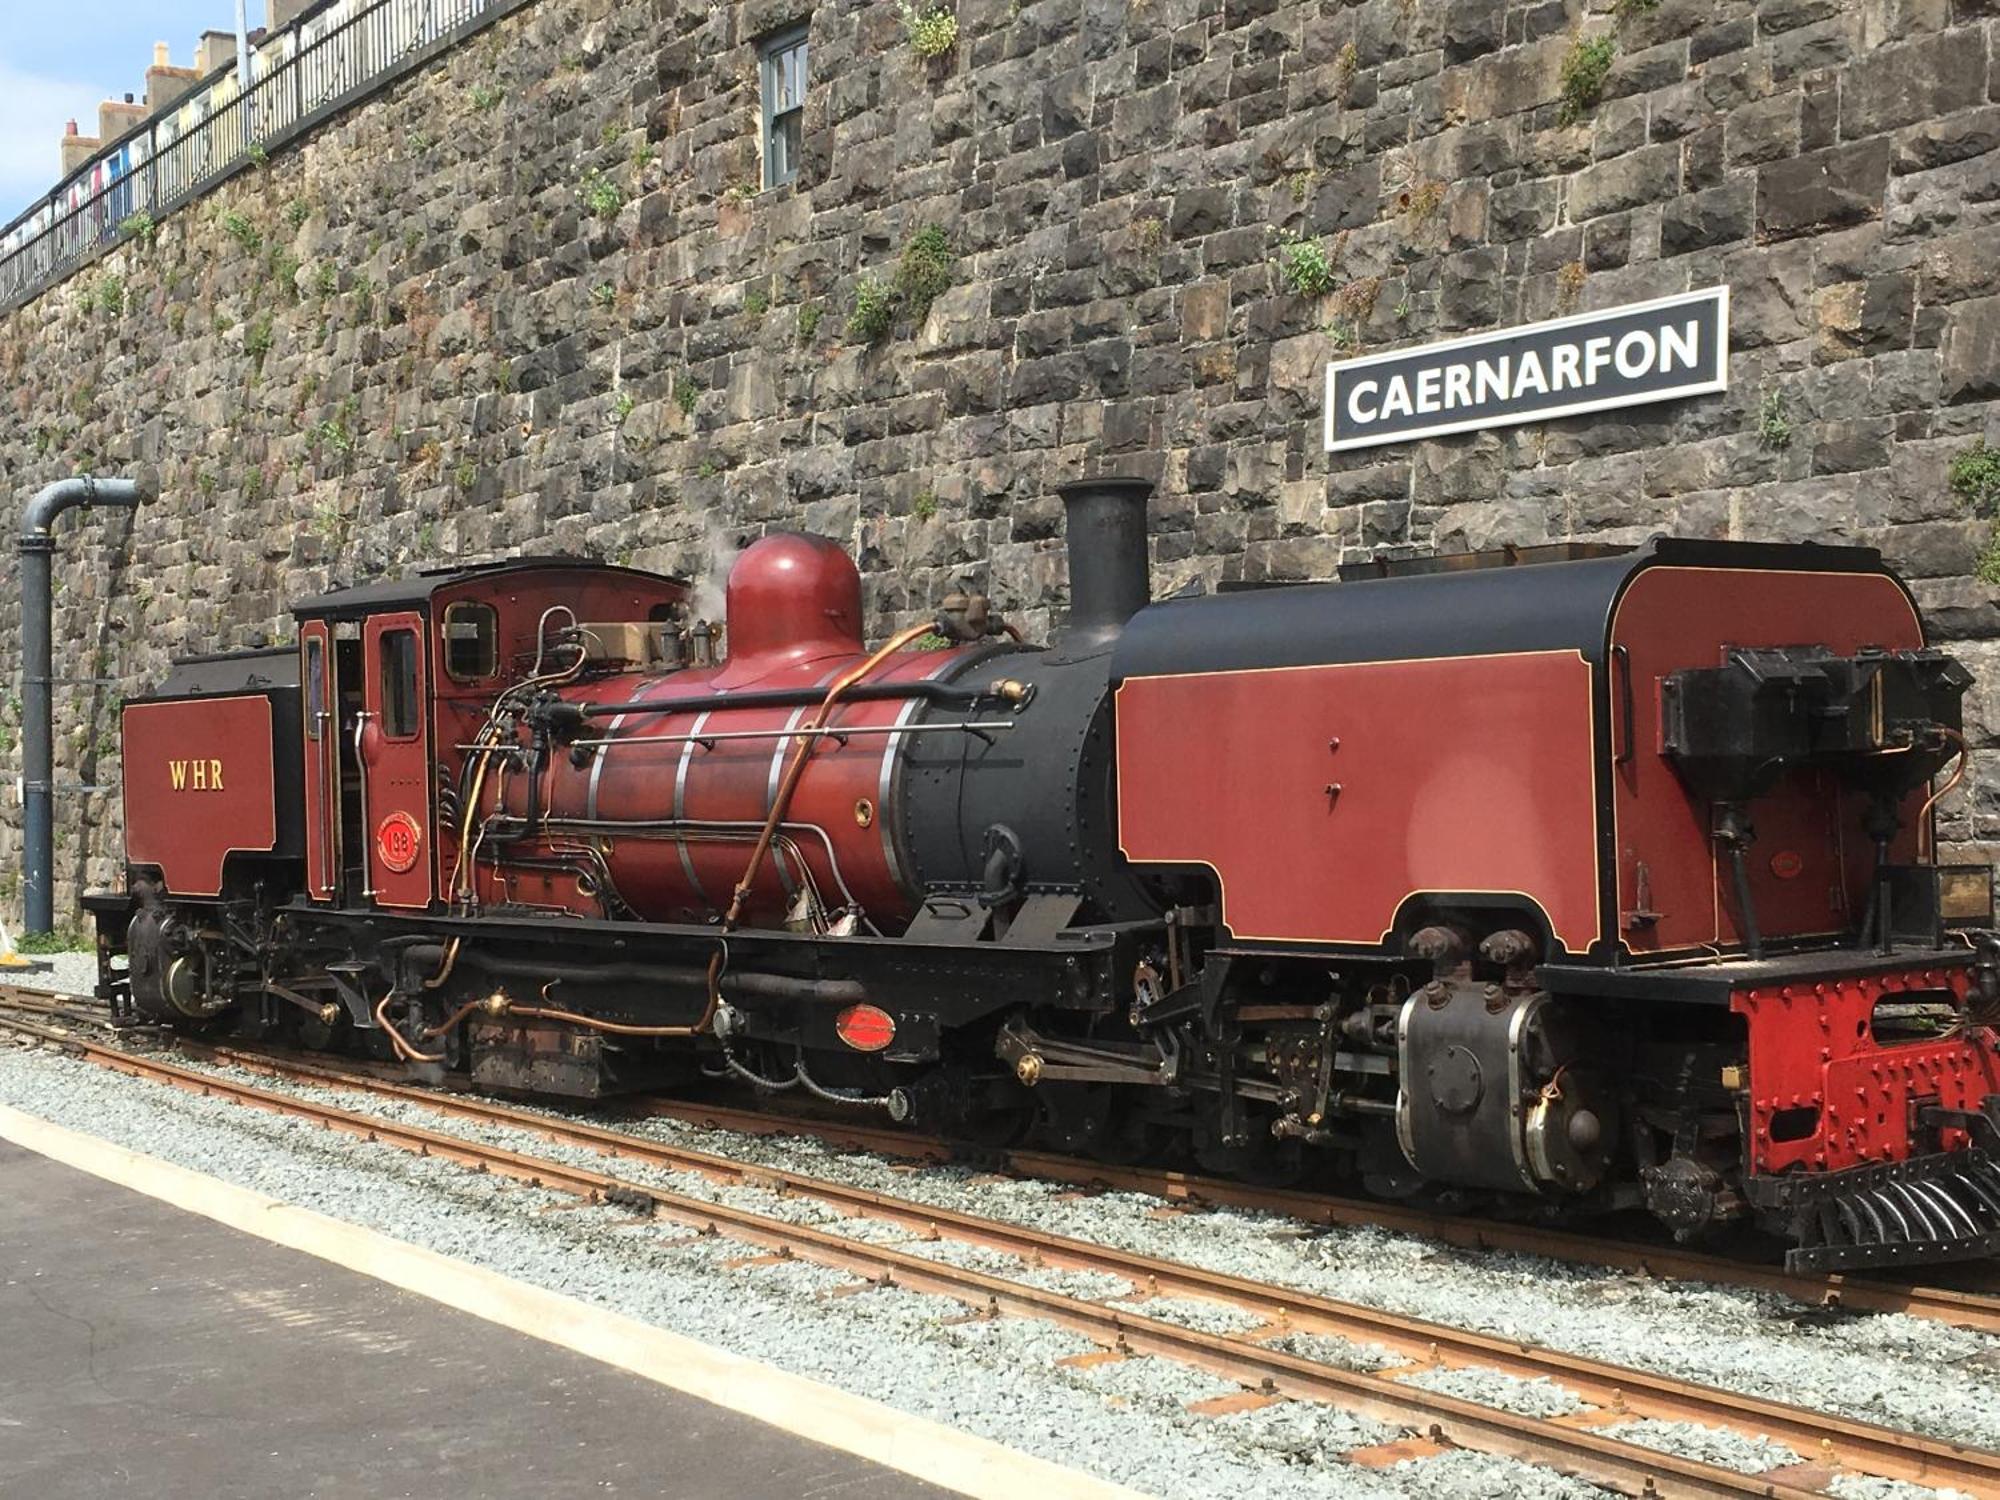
column 1895, row 86
column 1648, row 175
column 1970, row 368
column 1823, row 189
column 1766, row 130
column 1946, row 139
column 1701, row 221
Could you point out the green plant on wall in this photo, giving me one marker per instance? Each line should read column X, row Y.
column 239, row 228
column 874, row 311
column 109, row 295
column 687, row 394
column 809, row 317
column 1774, row 422
column 1306, row 268
column 1974, row 477
column 924, row 273
column 931, row 28
column 141, row 226
column 600, row 194
column 257, row 340
column 1584, row 70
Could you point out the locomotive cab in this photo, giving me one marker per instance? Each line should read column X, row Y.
column 398, row 678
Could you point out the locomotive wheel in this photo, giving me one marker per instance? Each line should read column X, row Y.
column 1260, row 1160
column 1134, row 1134
column 317, row 1035
column 1072, row 1118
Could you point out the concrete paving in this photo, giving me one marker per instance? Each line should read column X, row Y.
column 148, row 1351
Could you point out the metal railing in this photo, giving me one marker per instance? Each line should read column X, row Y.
column 304, row 74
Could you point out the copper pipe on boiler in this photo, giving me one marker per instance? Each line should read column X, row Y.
column 782, row 801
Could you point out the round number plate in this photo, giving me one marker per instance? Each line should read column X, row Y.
column 397, row 840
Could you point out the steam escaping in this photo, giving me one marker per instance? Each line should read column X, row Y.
column 710, row 590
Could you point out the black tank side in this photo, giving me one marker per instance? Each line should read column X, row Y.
column 1047, row 783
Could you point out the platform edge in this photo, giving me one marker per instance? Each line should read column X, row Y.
column 917, row 1446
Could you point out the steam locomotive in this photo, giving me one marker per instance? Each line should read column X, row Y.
column 1563, row 881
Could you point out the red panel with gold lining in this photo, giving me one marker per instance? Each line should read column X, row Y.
column 199, row 786
column 1809, row 867
column 1323, row 797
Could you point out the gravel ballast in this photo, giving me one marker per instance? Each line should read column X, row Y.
column 1125, row 1421
column 1903, row 1372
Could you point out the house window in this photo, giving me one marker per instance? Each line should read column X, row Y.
column 784, row 105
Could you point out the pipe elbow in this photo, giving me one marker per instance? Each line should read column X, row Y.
column 49, row 502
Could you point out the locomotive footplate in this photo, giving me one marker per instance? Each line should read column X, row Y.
column 785, row 986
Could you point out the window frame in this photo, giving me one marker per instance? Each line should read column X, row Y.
column 492, row 617
column 392, row 690
column 315, row 685
column 772, row 55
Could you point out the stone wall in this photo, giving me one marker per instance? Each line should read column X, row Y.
column 532, row 299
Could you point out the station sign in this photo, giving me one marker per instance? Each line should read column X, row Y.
column 1622, row 356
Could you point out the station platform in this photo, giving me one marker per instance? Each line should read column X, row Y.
column 149, row 1351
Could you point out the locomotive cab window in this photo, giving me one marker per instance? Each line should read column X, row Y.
column 315, row 687
column 399, row 684
column 471, row 641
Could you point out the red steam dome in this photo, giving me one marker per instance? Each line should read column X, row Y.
column 792, row 598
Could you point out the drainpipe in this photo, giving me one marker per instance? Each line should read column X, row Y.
column 37, row 548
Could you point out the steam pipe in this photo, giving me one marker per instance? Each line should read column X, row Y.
column 867, row 692
column 37, row 548
column 1104, row 527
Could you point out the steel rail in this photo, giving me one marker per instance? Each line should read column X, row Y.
column 1977, row 1310
column 1619, row 1390
column 1446, row 1419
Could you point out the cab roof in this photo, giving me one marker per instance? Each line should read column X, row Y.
column 414, row 590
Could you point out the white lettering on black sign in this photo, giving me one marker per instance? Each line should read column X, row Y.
column 1647, row 351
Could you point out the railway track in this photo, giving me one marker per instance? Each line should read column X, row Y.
column 1975, row 1306
column 1265, row 1371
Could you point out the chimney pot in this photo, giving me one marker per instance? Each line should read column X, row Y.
column 1109, row 582
column 70, row 129
column 162, row 55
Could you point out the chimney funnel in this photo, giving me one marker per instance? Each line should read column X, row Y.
column 162, row 55
column 1109, row 579
column 72, row 128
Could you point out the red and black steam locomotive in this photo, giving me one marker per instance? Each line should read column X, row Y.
column 1596, row 880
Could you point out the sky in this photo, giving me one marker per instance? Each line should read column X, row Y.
column 59, row 60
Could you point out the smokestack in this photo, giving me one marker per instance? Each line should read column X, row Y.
column 1109, row 580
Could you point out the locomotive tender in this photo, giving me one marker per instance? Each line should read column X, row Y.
column 1593, row 881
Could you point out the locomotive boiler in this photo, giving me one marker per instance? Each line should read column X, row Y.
column 1558, row 882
